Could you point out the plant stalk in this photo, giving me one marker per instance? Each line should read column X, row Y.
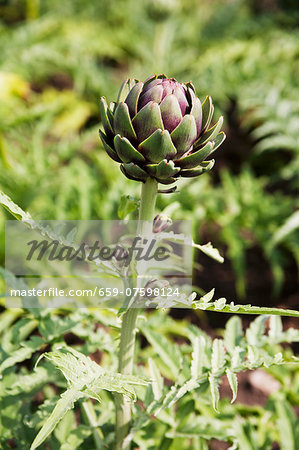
column 128, row 327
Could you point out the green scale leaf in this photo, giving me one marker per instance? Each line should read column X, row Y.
column 204, row 167
column 147, row 121
column 207, row 112
column 112, row 153
column 122, row 122
column 134, row 172
column 163, row 170
column 105, row 118
column 210, row 134
column 158, row 146
column 133, row 97
column 184, row 134
column 194, row 159
column 125, row 150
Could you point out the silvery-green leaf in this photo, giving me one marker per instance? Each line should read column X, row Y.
column 218, row 356
column 233, row 382
column 276, row 330
column 24, row 352
column 255, row 333
column 64, row 404
column 14, row 209
column 286, row 424
column 167, row 352
column 198, row 357
column 233, row 333
column 209, row 250
column 214, row 392
column 157, row 379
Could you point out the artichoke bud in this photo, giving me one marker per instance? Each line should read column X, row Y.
column 159, row 129
column 161, row 223
column 161, row 10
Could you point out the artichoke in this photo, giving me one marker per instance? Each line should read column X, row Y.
column 161, row 10
column 160, row 129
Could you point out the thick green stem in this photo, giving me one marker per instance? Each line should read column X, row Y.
column 148, row 200
column 128, row 332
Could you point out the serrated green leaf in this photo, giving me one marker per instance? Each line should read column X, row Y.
column 14, row 209
column 214, row 391
column 23, row 353
column 197, row 359
column 218, row 356
column 220, row 304
column 286, row 424
column 87, row 376
column 41, row 414
column 177, row 392
column 64, row 404
column 245, row 309
column 9, row 316
column 157, row 379
column 86, row 379
column 207, row 297
column 233, row 334
column 127, row 205
column 31, row 382
column 206, row 427
column 237, row 358
column 255, row 333
column 166, row 351
column 233, row 382
column 288, row 227
column 244, row 434
column 210, row 251
column 76, row 437
column 64, row 427
column 275, row 330
column 54, row 326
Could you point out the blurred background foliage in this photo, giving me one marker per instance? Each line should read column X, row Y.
column 57, row 59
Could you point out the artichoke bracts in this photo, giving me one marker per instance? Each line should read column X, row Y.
column 160, row 129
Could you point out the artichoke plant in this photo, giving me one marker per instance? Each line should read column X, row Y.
column 160, row 129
